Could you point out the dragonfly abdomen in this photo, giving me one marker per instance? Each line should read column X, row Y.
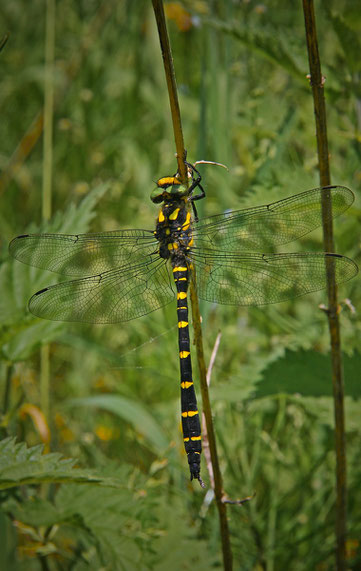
column 189, row 409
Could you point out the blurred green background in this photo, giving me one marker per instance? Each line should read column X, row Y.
column 114, row 390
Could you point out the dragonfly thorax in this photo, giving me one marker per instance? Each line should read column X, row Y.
column 173, row 230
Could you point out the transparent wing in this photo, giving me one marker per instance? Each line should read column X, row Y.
column 257, row 279
column 110, row 297
column 266, row 226
column 84, row 254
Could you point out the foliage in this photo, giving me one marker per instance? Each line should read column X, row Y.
column 245, row 100
column 20, row 465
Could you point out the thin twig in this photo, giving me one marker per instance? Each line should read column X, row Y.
column 3, row 41
column 317, row 84
column 205, row 441
column 178, row 134
column 213, row 357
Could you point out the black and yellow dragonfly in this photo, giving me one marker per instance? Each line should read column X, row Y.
column 133, row 272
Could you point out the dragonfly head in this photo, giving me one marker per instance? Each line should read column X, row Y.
column 168, row 188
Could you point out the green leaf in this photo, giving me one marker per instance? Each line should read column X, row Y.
column 131, row 412
column 113, row 521
column 21, row 465
column 309, row 374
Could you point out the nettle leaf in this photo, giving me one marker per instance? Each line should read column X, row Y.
column 35, row 511
column 308, row 373
column 116, row 522
column 111, row 520
column 21, row 465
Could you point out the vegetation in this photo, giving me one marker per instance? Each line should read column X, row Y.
column 111, row 489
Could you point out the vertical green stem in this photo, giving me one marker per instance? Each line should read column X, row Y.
column 9, row 369
column 47, row 172
column 317, row 83
column 178, row 135
column 48, row 109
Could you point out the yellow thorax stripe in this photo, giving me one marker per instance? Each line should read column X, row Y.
column 179, row 269
column 190, row 413
column 161, row 217
column 174, row 214
column 186, row 384
column 182, row 324
column 184, row 354
column 186, row 224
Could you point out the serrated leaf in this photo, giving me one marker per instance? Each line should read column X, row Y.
column 308, row 373
column 21, row 465
column 130, row 411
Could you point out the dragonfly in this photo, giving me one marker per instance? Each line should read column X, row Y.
column 124, row 274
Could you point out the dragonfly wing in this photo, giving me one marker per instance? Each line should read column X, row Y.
column 264, row 227
column 110, row 297
column 258, row 279
column 84, row 254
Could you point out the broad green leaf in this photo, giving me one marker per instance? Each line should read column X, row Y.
column 309, row 374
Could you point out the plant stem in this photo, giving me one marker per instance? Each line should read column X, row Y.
column 48, row 109
column 9, row 372
column 172, row 87
column 47, row 173
column 207, row 411
column 3, row 41
column 178, row 135
column 317, row 83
